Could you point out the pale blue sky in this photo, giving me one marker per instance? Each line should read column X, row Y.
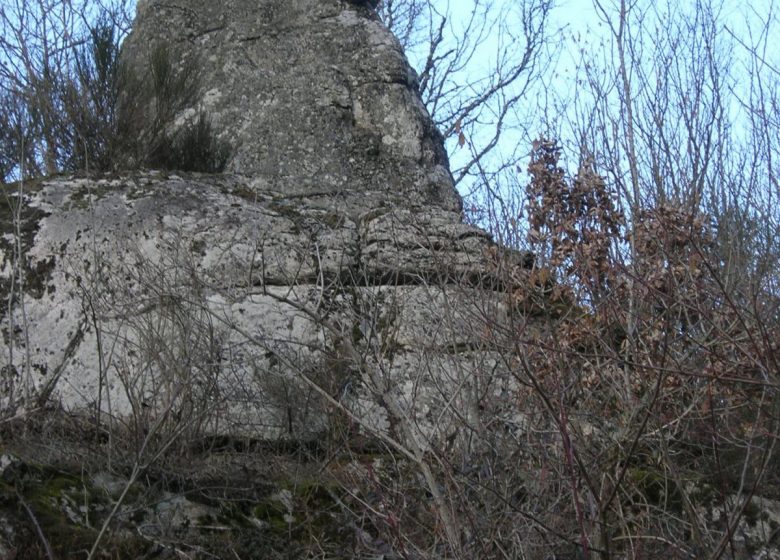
column 579, row 20
column 583, row 28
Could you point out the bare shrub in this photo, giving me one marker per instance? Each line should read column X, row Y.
column 70, row 104
column 148, row 109
column 639, row 409
column 570, row 423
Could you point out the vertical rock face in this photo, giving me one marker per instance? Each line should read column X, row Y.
column 314, row 95
column 324, row 270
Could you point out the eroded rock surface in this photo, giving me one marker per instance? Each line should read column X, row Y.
column 154, row 285
column 318, row 266
column 315, row 96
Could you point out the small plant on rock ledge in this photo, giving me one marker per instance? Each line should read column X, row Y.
column 148, row 112
column 72, row 104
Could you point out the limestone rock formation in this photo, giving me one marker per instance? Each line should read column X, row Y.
column 285, row 359
column 325, row 268
column 316, row 97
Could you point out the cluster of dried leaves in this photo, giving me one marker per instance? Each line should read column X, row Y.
column 659, row 383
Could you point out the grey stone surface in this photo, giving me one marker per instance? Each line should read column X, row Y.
column 146, row 270
column 314, row 95
column 330, row 260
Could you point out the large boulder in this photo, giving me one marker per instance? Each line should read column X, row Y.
column 327, row 268
column 314, row 96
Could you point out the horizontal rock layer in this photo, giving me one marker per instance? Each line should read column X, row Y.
column 141, row 287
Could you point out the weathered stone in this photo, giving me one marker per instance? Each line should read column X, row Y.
column 316, row 96
column 755, row 534
column 422, row 244
column 253, row 272
column 329, row 262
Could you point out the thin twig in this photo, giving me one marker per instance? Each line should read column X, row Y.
column 38, row 530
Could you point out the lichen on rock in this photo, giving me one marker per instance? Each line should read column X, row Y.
column 323, row 288
column 315, row 96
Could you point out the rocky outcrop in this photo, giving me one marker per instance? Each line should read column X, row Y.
column 141, row 271
column 311, row 354
column 315, row 97
column 328, row 267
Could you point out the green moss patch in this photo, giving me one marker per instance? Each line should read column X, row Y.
column 43, row 503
